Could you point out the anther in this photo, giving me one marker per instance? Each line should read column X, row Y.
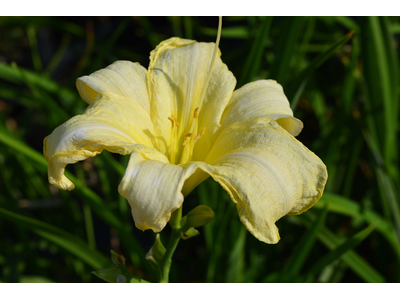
column 188, row 135
column 175, row 119
column 195, row 114
column 199, row 136
column 172, row 122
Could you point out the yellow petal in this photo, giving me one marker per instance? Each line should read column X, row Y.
column 111, row 122
column 153, row 189
column 262, row 98
column 176, row 79
column 122, row 77
column 267, row 173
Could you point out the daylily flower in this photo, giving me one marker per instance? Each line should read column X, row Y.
column 181, row 121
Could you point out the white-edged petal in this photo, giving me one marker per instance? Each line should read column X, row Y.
column 111, row 122
column 153, row 189
column 176, row 79
column 267, row 173
column 260, row 99
column 124, row 78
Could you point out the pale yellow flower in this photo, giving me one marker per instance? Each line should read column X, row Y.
column 180, row 126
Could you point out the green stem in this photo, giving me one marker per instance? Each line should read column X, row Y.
column 173, row 242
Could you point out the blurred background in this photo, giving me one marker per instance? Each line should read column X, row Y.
column 341, row 76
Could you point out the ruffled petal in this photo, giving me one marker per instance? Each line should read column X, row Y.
column 121, row 77
column 260, row 99
column 267, row 173
column 176, row 79
column 153, row 189
column 111, row 122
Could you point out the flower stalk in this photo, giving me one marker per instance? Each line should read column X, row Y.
column 166, row 260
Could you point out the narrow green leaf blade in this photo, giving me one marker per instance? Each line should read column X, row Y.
column 303, row 248
column 137, row 252
column 353, row 260
column 253, row 60
column 65, row 240
column 340, row 250
column 345, row 206
column 299, row 84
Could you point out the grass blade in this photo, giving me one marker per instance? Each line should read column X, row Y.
column 37, row 62
column 285, row 48
column 65, row 240
column 253, row 60
column 13, row 75
column 51, row 22
column 299, row 84
column 344, row 206
column 137, row 253
column 235, row 269
column 340, row 251
column 303, row 248
column 382, row 69
column 352, row 259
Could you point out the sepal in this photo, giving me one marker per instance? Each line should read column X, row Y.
column 191, row 232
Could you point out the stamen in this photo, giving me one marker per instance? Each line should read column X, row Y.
column 172, row 122
column 188, row 135
column 199, row 136
column 175, row 119
column 196, row 111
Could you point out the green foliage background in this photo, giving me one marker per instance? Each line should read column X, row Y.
column 344, row 86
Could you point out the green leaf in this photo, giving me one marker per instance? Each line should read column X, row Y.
column 113, row 275
column 157, row 251
column 10, row 74
column 304, row 246
column 339, row 251
column 37, row 62
column 352, row 259
column 383, row 72
column 237, row 32
column 138, row 280
column 344, row 206
column 299, row 84
column 137, row 253
column 236, row 263
column 286, row 47
column 349, row 23
column 253, row 60
column 34, row 279
column 57, row 23
column 65, row 240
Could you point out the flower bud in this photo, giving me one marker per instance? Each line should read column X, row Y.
column 117, row 259
column 199, row 216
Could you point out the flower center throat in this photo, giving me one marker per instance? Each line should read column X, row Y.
column 189, row 139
